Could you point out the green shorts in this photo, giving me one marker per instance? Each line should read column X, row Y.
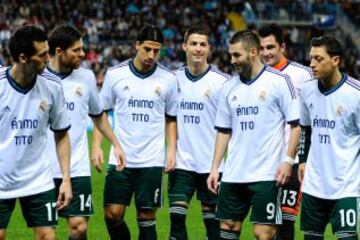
column 316, row 213
column 144, row 183
column 236, row 199
column 81, row 203
column 38, row 210
column 183, row 184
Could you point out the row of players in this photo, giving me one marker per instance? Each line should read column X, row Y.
column 257, row 115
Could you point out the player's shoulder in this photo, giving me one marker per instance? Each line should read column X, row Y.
column 352, row 82
column 50, row 76
column 273, row 74
column 165, row 70
column 300, row 68
column 3, row 73
column 124, row 65
column 217, row 72
column 231, row 83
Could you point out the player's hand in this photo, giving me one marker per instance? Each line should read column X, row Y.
column 301, row 171
column 97, row 158
column 212, row 181
column 65, row 194
column 283, row 173
column 171, row 162
column 120, row 158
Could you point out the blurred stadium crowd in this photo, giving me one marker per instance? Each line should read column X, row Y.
column 110, row 26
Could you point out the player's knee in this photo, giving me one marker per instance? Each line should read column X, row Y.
column 78, row 230
column 45, row 235
column 230, row 225
column 114, row 213
column 2, row 234
column 146, row 213
column 208, row 207
column 264, row 232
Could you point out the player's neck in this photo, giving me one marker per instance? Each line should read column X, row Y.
column 21, row 75
column 140, row 68
column 256, row 68
column 333, row 80
column 197, row 69
column 281, row 64
column 56, row 66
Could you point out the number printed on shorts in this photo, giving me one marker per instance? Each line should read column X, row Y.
column 85, row 203
column 347, row 218
column 289, row 197
column 270, row 209
column 51, row 211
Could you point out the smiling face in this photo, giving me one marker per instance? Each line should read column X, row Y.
column 72, row 57
column 240, row 57
column 148, row 53
column 197, row 49
column 322, row 64
column 271, row 52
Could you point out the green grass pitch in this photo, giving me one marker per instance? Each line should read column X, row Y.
column 17, row 229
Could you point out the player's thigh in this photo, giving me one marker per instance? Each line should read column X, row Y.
column 265, row 203
column 40, row 210
column 6, row 208
column 118, row 188
column 233, row 202
column 148, row 187
column 203, row 194
column 181, row 186
column 81, row 203
column 291, row 197
column 315, row 214
column 344, row 217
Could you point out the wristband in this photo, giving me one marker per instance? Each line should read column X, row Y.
column 289, row 160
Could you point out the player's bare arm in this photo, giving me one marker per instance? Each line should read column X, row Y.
column 284, row 171
column 62, row 142
column 103, row 127
column 171, row 134
column 221, row 143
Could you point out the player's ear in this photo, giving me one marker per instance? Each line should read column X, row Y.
column 58, row 51
column 336, row 60
column 184, row 46
column 282, row 47
column 137, row 45
column 22, row 58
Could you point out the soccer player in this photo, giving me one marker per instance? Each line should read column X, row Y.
column 81, row 96
column 199, row 85
column 143, row 94
column 272, row 48
column 253, row 109
column 330, row 115
column 29, row 103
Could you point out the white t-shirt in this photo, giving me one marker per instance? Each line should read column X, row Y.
column 256, row 112
column 140, row 103
column 197, row 103
column 82, row 99
column 25, row 115
column 333, row 165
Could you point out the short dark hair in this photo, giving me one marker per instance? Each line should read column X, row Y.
column 249, row 38
column 22, row 41
column 331, row 44
column 63, row 36
column 196, row 29
column 272, row 29
column 150, row 33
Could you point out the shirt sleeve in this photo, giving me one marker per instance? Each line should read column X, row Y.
column 107, row 97
column 94, row 101
column 59, row 118
column 171, row 99
column 223, row 112
column 288, row 102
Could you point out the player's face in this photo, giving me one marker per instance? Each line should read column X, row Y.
column 37, row 62
column 271, row 51
column 322, row 64
column 197, row 49
column 148, row 53
column 240, row 57
column 73, row 56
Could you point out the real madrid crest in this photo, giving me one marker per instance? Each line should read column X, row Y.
column 207, row 93
column 42, row 106
column 158, row 91
column 79, row 91
column 340, row 111
column 262, row 96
